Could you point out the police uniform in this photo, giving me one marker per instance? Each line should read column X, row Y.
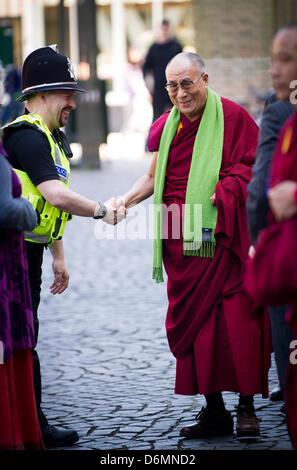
column 39, row 155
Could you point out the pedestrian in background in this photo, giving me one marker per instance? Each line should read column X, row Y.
column 159, row 54
column 19, row 426
column 204, row 152
column 12, row 89
column 40, row 152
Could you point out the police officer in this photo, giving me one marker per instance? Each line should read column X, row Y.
column 39, row 152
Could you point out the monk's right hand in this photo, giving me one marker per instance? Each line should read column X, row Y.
column 116, row 211
column 122, row 210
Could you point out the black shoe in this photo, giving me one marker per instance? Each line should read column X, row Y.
column 276, row 394
column 209, row 423
column 247, row 422
column 58, row 437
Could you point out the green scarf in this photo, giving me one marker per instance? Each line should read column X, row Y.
column 202, row 180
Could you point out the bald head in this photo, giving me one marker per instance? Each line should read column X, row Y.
column 187, row 84
column 292, row 27
column 191, row 58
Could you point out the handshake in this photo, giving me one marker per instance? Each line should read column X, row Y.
column 116, row 211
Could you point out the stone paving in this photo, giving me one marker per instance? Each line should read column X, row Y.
column 106, row 366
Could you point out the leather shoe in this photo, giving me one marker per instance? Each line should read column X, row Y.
column 276, row 394
column 209, row 423
column 58, row 437
column 247, row 422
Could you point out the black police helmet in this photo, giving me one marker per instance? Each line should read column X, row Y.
column 46, row 69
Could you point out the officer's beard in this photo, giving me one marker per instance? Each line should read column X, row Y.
column 63, row 122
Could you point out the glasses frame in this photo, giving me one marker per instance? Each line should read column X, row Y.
column 189, row 82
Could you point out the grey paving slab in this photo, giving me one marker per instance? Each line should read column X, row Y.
column 106, row 367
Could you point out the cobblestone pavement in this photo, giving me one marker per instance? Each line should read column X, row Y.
column 107, row 370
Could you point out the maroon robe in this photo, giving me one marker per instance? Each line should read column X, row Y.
column 220, row 342
column 284, row 167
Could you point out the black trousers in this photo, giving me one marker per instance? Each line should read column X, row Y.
column 282, row 335
column 35, row 258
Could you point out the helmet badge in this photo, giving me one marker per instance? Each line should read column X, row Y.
column 70, row 69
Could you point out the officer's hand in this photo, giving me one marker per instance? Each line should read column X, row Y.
column 61, row 279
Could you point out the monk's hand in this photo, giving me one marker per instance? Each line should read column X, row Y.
column 116, row 211
column 213, row 199
column 121, row 209
column 282, row 200
column 252, row 251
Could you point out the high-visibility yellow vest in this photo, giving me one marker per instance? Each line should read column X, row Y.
column 52, row 220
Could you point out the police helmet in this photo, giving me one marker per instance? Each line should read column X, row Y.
column 46, row 69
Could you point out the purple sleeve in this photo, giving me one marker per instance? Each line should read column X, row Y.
column 16, row 213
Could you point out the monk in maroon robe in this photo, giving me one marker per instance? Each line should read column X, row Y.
column 221, row 342
column 282, row 197
column 283, row 201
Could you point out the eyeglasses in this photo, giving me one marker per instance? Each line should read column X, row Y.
column 185, row 85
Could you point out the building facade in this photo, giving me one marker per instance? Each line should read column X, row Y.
column 233, row 36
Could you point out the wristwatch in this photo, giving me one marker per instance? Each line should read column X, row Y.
column 100, row 211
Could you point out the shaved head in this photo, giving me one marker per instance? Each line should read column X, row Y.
column 190, row 57
column 289, row 27
column 188, row 80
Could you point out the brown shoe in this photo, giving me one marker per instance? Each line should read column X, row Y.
column 247, row 422
column 209, row 423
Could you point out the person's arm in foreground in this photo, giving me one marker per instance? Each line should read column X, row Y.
column 15, row 213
